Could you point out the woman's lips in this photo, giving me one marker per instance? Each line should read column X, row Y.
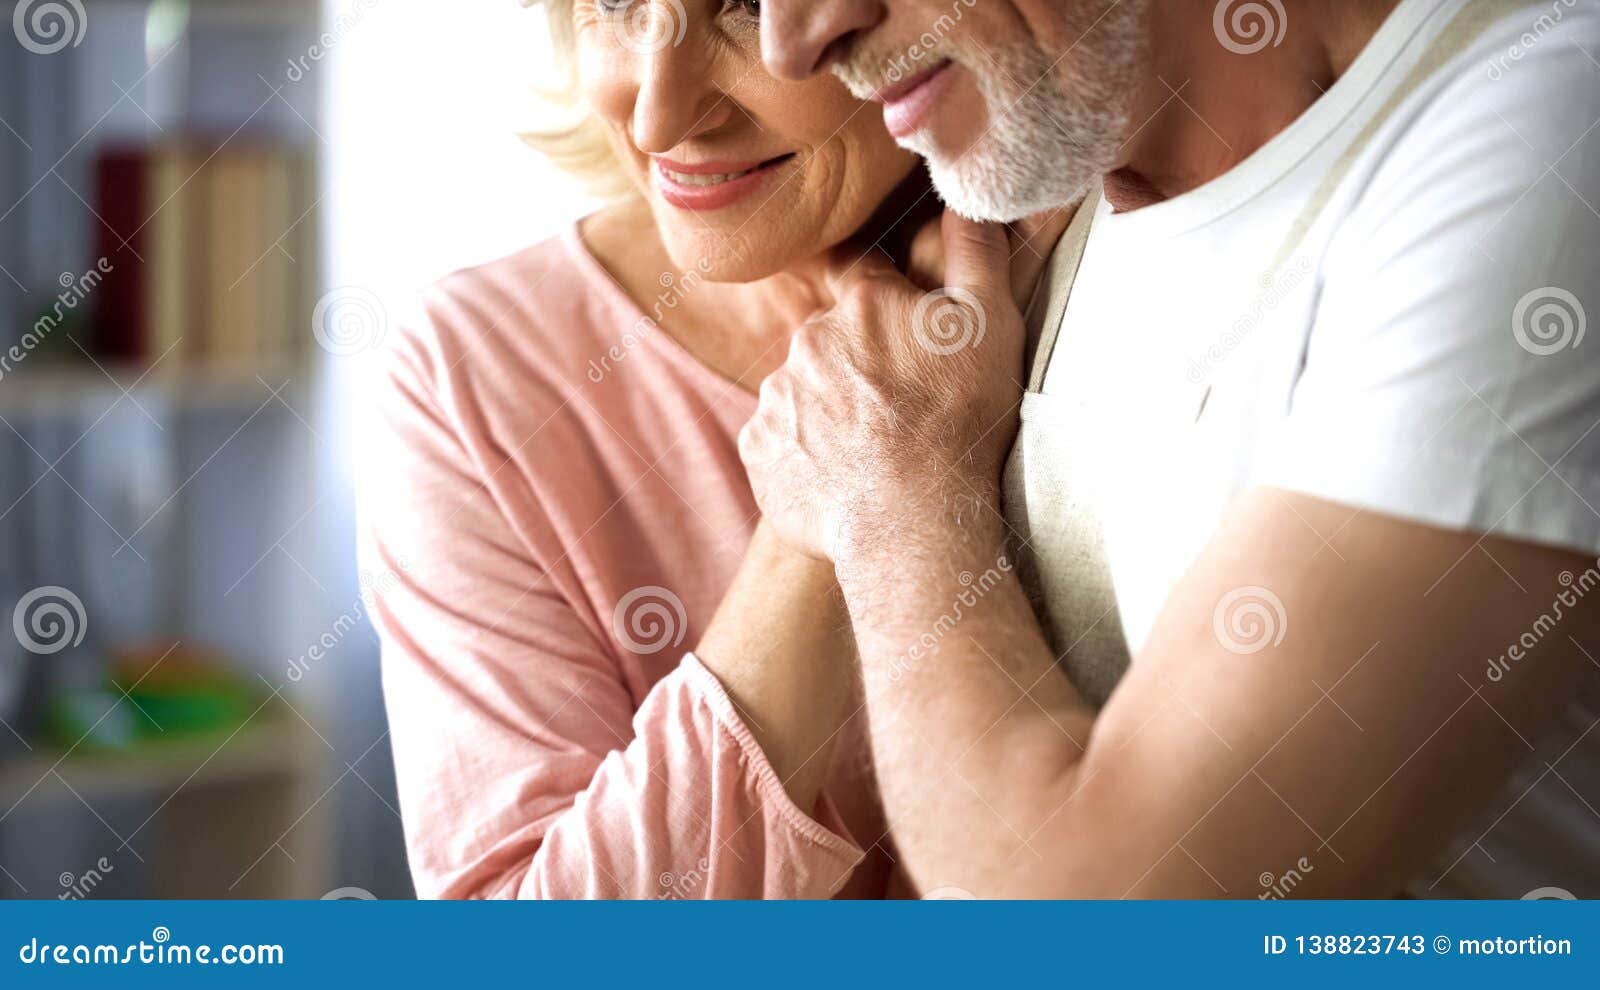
column 711, row 185
column 907, row 105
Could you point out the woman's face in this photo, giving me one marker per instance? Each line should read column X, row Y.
column 745, row 174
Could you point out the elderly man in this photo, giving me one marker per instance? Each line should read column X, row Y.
column 1312, row 441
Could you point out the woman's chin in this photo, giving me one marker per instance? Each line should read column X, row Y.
column 728, row 259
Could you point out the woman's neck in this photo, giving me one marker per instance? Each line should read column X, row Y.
column 739, row 330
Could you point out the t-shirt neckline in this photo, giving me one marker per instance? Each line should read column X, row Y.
column 1272, row 161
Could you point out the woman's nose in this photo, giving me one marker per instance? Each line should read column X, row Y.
column 676, row 99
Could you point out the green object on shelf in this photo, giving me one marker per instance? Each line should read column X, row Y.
column 186, row 711
column 151, row 711
column 89, row 719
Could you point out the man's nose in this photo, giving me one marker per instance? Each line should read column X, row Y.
column 799, row 37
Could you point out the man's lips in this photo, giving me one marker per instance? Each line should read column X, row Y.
column 907, row 104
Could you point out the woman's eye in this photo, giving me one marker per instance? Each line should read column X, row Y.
column 749, row 8
column 612, row 6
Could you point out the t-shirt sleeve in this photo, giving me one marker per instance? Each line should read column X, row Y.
column 524, row 766
column 1448, row 377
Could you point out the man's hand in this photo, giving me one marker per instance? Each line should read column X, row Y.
column 896, row 405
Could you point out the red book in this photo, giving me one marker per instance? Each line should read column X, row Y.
column 121, row 200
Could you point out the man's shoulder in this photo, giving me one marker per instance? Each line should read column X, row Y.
column 1509, row 69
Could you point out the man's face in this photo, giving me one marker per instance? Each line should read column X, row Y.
column 1018, row 105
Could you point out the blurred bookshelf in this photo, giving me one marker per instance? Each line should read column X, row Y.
column 159, row 214
column 225, row 802
column 211, row 387
column 172, row 214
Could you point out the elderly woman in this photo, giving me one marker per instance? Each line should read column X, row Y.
column 560, row 507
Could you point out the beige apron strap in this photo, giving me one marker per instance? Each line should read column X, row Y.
column 1470, row 22
column 1049, row 304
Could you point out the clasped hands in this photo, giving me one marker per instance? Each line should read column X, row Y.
column 892, row 417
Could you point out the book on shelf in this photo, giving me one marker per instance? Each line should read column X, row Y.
column 211, row 254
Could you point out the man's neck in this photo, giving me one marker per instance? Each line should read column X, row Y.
column 1205, row 107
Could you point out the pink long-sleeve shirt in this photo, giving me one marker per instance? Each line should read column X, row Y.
column 552, row 509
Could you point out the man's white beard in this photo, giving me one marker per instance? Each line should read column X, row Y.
column 1049, row 138
column 1043, row 149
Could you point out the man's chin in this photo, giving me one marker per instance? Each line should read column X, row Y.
column 966, row 183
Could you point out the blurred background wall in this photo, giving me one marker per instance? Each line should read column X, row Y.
column 211, row 213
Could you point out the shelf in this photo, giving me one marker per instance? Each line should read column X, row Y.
column 273, row 744
column 70, row 389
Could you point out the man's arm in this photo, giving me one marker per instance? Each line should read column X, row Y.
column 1355, row 743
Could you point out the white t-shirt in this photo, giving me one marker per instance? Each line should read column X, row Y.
column 1386, row 306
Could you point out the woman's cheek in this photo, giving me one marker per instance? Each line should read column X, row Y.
column 606, row 78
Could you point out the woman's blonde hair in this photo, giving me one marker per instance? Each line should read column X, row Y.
column 581, row 146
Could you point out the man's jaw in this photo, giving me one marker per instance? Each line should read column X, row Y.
column 1029, row 152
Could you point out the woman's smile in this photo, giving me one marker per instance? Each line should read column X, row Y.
column 712, row 185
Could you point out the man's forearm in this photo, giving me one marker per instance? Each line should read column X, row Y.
column 975, row 730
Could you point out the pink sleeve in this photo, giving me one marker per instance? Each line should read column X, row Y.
column 523, row 769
